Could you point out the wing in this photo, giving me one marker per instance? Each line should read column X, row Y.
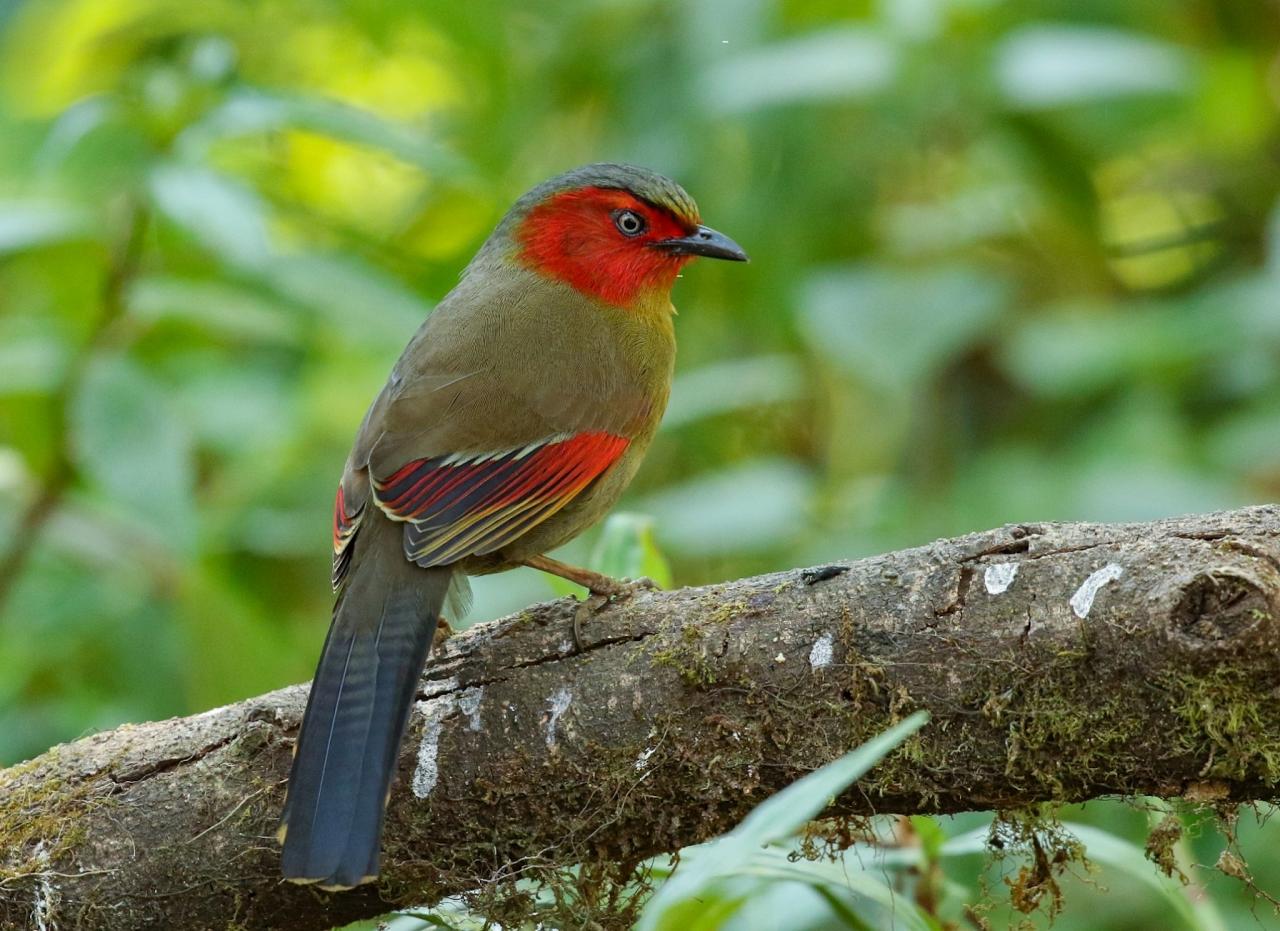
column 345, row 524
column 457, row 506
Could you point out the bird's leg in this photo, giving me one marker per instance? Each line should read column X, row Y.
column 595, row 582
column 601, row 587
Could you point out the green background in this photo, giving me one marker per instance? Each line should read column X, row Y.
column 1011, row 261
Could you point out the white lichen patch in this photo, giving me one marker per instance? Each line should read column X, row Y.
column 1082, row 600
column 45, row 899
column 999, row 577
column 556, row 707
column 566, row 647
column 434, row 687
column 642, row 761
column 427, row 773
column 469, row 704
column 821, row 653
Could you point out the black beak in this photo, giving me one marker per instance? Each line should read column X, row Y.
column 704, row 241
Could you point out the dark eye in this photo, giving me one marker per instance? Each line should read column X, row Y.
column 629, row 223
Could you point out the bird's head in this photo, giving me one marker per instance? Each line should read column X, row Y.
column 616, row 232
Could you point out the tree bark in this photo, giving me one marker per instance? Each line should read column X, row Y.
column 1059, row 662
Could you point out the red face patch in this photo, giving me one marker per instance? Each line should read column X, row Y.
column 575, row 236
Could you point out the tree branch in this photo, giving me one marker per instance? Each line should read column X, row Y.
column 1059, row 661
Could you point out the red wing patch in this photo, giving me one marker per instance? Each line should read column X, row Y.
column 468, row 505
column 345, row 524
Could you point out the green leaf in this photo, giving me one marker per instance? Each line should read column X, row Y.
column 733, row 385
column 927, row 228
column 932, row 837
column 246, row 410
column 423, row 919
column 783, row 904
column 834, row 64
column 1239, row 443
column 756, row 506
column 32, row 355
column 1072, row 349
column 680, row 903
column 223, row 215
column 452, row 914
column 1049, row 65
column 221, row 307
column 128, row 438
column 627, row 550
column 843, row 879
column 1100, row 847
column 848, row 917
column 365, row 305
column 858, row 317
column 31, row 224
column 249, row 111
column 71, row 127
column 788, row 810
column 968, row 844
column 1131, row 860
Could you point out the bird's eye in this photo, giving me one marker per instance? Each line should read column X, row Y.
column 628, row 222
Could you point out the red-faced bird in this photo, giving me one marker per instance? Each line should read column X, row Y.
column 512, row 421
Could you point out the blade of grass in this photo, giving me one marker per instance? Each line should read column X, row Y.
column 677, row 905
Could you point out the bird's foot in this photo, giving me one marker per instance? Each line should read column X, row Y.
column 444, row 630
column 616, row 590
column 603, row 589
column 583, row 613
column 609, row 587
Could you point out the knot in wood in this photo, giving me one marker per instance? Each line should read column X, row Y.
column 1223, row 609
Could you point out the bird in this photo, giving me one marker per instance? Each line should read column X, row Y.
column 513, row 420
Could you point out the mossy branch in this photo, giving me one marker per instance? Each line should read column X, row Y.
column 1059, row 662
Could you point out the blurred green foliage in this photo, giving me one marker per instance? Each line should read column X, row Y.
column 1011, row 262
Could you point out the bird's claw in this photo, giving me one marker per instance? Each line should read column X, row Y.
column 444, row 630
column 618, row 590
column 583, row 612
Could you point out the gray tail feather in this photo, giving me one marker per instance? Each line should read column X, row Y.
column 345, row 758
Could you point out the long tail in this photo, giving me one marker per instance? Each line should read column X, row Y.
column 356, row 716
